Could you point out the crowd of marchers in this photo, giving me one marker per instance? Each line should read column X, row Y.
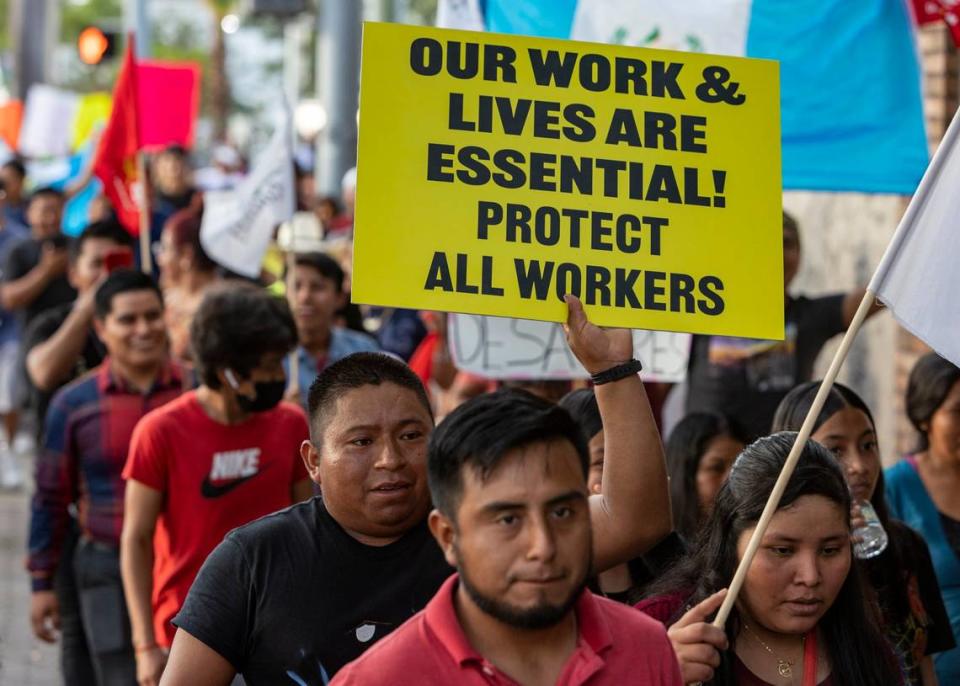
column 260, row 480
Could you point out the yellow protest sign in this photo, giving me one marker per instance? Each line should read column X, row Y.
column 93, row 111
column 496, row 173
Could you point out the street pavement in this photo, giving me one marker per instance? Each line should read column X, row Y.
column 24, row 660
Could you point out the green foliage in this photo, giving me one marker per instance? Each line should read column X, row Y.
column 74, row 18
column 4, row 23
column 221, row 7
column 425, row 9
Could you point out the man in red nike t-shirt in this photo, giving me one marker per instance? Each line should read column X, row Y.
column 216, row 458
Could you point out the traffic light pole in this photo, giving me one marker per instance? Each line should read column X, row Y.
column 28, row 20
column 338, row 83
column 137, row 20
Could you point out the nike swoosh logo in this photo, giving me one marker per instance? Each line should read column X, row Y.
column 208, row 490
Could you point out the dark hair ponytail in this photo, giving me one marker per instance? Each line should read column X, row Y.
column 859, row 655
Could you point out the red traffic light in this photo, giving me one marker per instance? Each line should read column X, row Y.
column 94, row 45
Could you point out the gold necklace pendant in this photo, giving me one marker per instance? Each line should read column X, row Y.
column 784, row 667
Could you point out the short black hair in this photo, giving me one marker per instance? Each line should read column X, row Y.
column 235, row 326
column 582, row 406
column 176, row 150
column 931, row 380
column 356, row 371
column 324, row 264
column 107, row 230
column 481, row 432
column 331, row 201
column 122, row 281
column 16, row 165
column 790, row 224
column 47, row 192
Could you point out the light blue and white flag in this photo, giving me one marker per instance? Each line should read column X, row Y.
column 852, row 114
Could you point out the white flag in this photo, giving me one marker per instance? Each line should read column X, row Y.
column 460, row 14
column 47, row 121
column 238, row 224
column 919, row 276
column 714, row 26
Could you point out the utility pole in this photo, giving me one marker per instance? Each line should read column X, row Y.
column 387, row 11
column 338, row 84
column 293, row 31
column 136, row 20
column 30, row 39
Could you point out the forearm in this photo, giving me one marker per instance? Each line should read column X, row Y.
column 928, row 675
column 23, row 291
column 76, row 187
column 634, row 511
column 47, row 523
column 136, row 568
column 444, row 371
column 50, row 362
column 49, row 515
column 852, row 302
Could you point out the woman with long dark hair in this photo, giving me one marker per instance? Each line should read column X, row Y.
column 906, row 589
column 923, row 489
column 699, row 454
column 802, row 616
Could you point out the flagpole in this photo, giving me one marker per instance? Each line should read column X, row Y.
column 794, row 456
column 294, row 387
column 146, row 259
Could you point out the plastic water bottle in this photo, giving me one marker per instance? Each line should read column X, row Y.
column 871, row 538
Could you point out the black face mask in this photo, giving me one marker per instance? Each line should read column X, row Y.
column 269, row 395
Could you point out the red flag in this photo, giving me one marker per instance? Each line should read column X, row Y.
column 168, row 97
column 116, row 161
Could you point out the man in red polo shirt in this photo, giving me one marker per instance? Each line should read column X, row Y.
column 507, row 472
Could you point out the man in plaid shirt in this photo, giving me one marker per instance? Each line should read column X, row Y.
column 88, row 430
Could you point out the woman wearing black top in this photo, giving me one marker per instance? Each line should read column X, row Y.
column 902, row 576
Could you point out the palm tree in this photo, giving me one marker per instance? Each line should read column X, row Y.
column 219, row 83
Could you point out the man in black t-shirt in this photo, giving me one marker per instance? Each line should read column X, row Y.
column 746, row 378
column 34, row 276
column 296, row 595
